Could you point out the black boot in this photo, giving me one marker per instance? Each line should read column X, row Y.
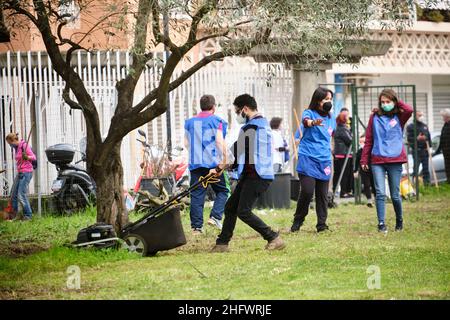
column 323, row 228
column 398, row 225
column 296, row 225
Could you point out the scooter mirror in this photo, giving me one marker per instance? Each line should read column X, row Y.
column 142, row 133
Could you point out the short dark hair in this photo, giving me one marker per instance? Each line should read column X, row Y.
column 319, row 94
column 245, row 100
column 207, row 102
column 275, row 122
column 344, row 108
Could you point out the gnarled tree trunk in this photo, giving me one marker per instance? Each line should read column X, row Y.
column 108, row 177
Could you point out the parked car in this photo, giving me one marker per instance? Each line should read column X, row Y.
column 438, row 161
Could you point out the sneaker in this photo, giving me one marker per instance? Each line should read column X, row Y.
column 215, row 223
column 220, row 248
column 197, row 231
column 276, row 244
column 382, row 228
column 398, row 225
column 24, row 219
column 17, row 218
column 296, row 226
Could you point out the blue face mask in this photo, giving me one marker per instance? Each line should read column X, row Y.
column 388, row 106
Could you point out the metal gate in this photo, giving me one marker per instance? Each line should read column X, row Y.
column 364, row 99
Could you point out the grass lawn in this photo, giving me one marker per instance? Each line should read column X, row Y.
column 413, row 264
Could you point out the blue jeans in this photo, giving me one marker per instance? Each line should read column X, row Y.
column 222, row 191
column 19, row 194
column 394, row 172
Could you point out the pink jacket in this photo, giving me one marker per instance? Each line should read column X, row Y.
column 24, row 165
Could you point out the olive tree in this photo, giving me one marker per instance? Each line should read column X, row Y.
column 314, row 30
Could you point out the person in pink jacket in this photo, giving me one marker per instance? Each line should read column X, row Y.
column 24, row 157
column 385, row 153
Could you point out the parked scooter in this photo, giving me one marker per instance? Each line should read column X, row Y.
column 73, row 189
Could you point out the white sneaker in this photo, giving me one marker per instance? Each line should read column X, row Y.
column 215, row 223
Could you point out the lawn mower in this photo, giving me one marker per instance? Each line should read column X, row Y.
column 159, row 229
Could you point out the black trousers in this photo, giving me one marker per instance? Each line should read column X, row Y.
column 240, row 204
column 368, row 185
column 347, row 177
column 424, row 161
column 447, row 165
column 307, row 187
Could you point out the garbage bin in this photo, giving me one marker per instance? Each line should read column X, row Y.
column 277, row 196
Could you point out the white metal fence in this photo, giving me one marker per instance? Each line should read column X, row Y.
column 31, row 92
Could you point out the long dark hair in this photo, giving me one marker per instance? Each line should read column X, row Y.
column 318, row 95
column 391, row 95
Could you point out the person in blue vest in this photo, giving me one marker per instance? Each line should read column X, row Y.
column 253, row 158
column 385, row 153
column 314, row 158
column 204, row 138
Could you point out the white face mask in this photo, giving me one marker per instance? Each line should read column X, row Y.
column 421, row 118
column 241, row 119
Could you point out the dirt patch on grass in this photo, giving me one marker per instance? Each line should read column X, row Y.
column 21, row 249
column 431, row 294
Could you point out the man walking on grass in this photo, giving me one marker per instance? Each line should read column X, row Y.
column 204, row 137
column 253, row 157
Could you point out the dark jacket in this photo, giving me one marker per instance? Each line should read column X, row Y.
column 357, row 163
column 342, row 139
column 444, row 144
column 421, row 128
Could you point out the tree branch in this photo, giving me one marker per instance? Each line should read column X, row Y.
column 176, row 83
column 95, row 26
column 156, row 28
column 72, row 79
column 127, row 86
column 66, row 96
column 197, row 18
column 15, row 6
column 261, row 37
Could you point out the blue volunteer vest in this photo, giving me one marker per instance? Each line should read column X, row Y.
column 314, row 152
column 262, row 151
column 316, row 140
column 201, row 134
column 387, row 136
